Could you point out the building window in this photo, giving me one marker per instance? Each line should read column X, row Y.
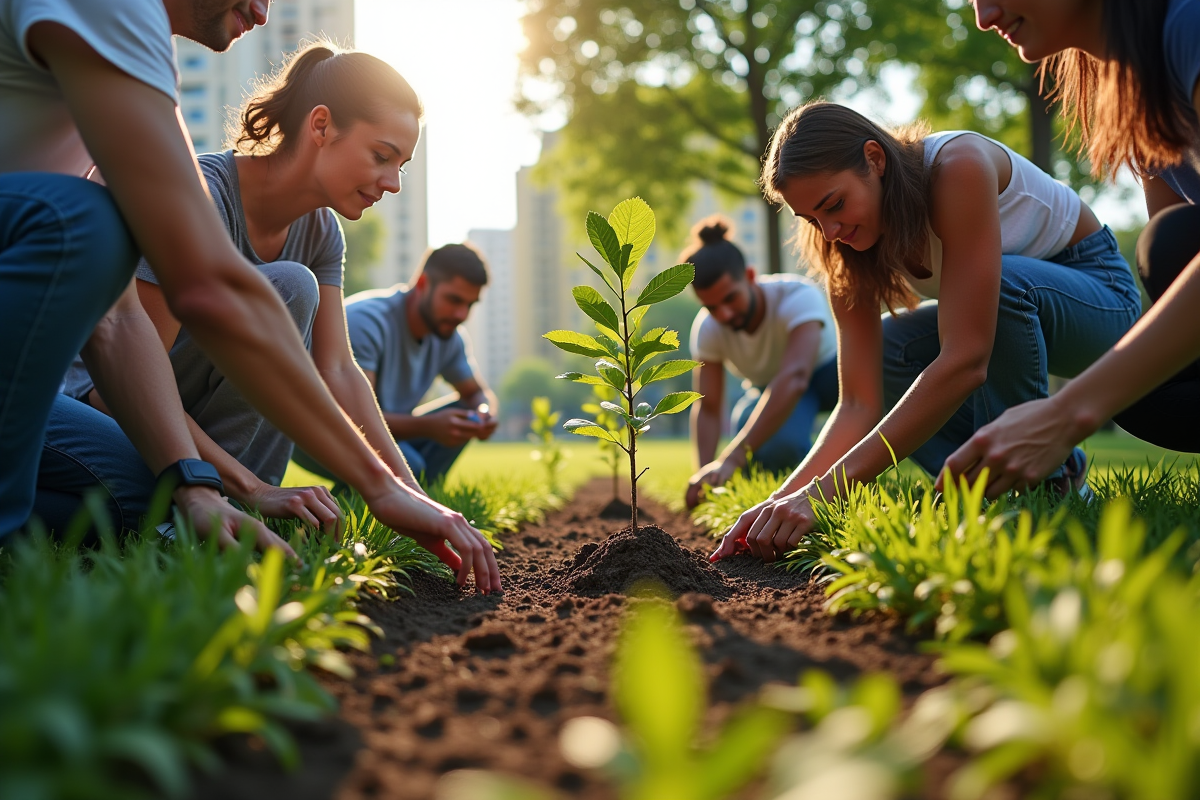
column 194, row 116
column 195, row 61
column 193, row 93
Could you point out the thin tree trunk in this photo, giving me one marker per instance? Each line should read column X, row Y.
column 1041, row 129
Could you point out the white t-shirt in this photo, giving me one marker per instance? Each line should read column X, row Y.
column 37, row 133
column 791, row 301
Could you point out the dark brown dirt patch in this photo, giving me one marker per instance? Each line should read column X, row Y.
column 627, row 559
column 489, row 681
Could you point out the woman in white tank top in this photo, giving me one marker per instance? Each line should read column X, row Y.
column 1021, row 281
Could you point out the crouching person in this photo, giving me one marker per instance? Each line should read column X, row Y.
column 404, row 338
column 777, row 334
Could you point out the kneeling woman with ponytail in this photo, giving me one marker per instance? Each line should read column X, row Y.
column 330, row 132
column 1022, row 281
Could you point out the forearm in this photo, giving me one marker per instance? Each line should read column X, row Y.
column 928, row 404
column 706, row 431
column 128, row 365
column 847, row 426
column 768, row 416
column 403, row 426
column 1162, row 342
column 353, row 392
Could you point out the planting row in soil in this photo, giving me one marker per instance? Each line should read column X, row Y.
column 487, row 682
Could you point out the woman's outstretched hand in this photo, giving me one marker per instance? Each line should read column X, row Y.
column 443, row 532
column 1018, row 449
column 770, row 529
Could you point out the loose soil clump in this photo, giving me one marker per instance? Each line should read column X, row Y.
column 625, row 560
column 488, row 682
column 621, row 511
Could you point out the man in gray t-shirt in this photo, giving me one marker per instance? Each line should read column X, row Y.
column 404, row 338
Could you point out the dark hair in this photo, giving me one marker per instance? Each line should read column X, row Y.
column 454, row 261
column 353, row 86
column 822, row 137
column 711, row 252
column 1124, row 107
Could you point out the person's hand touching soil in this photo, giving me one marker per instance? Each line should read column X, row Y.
column 770, row 529
column 443, row 532
column 714, row 474
column 452, row 427
column 212, row 515
column 312, row 504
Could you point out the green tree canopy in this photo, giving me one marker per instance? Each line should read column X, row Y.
column 364, row 246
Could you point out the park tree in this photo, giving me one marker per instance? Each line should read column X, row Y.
column 660, row 94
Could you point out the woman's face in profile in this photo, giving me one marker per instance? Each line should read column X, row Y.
column 361, row 163
column 1040, row 28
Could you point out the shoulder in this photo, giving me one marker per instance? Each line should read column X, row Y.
column 968, row 156
column 132, row 35
column 964, row 177
column 218, row 170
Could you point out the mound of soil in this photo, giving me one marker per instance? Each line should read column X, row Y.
column 487, row 682
column 626, row 559
column 617, row 509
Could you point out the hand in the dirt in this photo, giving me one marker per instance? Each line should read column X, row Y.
column 770, row 529
column 439, row 530
column 212, row 515
column 311, row 504
column 452, row 427
column 714, row 473
column 1018, row 449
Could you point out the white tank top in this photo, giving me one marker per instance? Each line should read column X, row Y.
column 1038, row 215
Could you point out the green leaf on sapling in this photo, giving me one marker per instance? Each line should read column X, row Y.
column 578, row 343
column 665, row 370
column 627, row 270
column 597, row 308
column 597, row 270
column 666, row 284
column 579, row 377
column 635, row 317
column 633, row 222
column 604, row 239
column 585, row 427
column 614, row 375
column 611, row 345
column 676, row 402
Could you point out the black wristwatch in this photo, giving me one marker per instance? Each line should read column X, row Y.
column 192, row 472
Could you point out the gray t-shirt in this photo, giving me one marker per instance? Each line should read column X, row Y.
column 315, row 240
column 1181, row 48
column 404, row 367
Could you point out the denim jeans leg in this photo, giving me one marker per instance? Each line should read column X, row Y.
column 788, row 446
column 910, row 344
column 65, row 256
column 84, row 450
column 436, row 458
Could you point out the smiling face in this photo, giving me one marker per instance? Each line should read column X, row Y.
column 1041, row 28
column 355, row 167
column 217, row 24
column 730, row 301
column 845, row 206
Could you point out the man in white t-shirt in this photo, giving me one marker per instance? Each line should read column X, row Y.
column 93, row 83
column 774, row 332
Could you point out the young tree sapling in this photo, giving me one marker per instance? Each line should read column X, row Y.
column 622, row 350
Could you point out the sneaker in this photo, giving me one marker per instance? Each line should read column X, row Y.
column 1074, row 477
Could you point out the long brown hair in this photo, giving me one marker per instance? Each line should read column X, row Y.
column 825, row 137
column 354, row 86
column 1124, row 108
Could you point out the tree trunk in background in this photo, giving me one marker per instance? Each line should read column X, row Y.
column 774, row 251
column 1041, row 129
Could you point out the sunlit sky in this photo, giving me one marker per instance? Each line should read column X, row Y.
column 461, row 56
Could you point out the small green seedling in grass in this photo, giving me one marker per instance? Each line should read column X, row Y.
column 623, row 351
column 548, row 451
column 608, row 420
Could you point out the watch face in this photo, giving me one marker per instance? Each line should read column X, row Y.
column 195, row 470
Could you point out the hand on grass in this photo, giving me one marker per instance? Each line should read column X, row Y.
column 1020, row 448
column 714, row 473
column 212, row 515
column 452, row 427
column 311, row 504
column 770, row 529
column 439, row 530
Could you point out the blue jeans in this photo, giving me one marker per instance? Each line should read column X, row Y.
column 428, row 460
column 791, row 443
column 65, row 257
column 84, row 450
column 1056, row 317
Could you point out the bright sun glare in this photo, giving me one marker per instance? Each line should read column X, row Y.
column 461, row 55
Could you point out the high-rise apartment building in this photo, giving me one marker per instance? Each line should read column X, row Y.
column 405, row 222
column 493, row 321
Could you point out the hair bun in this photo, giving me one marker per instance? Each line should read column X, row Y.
column 713, row 230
